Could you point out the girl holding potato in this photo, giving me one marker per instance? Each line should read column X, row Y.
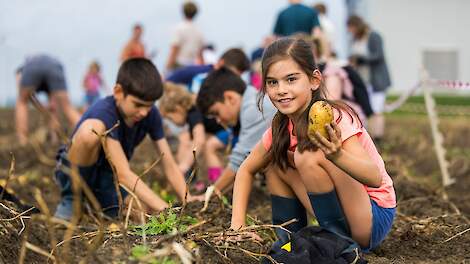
column 340, row 178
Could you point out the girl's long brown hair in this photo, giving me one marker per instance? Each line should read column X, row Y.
column 300, row 51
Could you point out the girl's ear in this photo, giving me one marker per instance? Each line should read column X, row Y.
column 316, row 80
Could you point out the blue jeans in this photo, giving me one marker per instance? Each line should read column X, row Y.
column 99, row 177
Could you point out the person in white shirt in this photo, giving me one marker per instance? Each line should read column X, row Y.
column 326, row 25
column 187, row 43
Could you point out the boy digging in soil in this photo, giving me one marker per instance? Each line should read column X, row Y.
column 137, row 88
column 226, row 97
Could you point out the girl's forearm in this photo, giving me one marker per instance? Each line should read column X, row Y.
column 364, row 171
column 241, row 193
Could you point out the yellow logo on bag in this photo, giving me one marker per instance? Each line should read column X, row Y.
column 287, row 247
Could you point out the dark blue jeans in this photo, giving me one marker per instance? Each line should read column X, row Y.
column 99, row 177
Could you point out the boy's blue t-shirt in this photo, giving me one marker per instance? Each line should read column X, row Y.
column 107, row 112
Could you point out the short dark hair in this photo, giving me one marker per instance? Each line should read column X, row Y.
column 237, row 58
column 139, row 77
column 213, row 88
column 189, row 10
column 321, row 8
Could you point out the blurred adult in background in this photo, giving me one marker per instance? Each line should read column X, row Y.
column 367, row 55
column 297, row 18
column 187, row 43
column 326, row 24
column 134, row 48
column 42, row 73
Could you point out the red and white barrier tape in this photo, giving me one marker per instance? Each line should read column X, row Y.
column 451, row 84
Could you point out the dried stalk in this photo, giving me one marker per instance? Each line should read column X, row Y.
column 50, row 228
column 151, row 166
column 142, row 216
column 185, row 256
column 40, row 154
column 23, row 248
column 188, row 182
column 10, row 174
column 40, row 251
column 456, row 235
column 18, row 215
column 49, row 117
column 77, row 209
column 225, row 258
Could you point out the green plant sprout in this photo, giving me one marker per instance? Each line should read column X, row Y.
column 165, row 223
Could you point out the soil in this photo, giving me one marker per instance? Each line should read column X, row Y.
column 429, row 227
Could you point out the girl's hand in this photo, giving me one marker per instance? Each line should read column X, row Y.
column 332, row 147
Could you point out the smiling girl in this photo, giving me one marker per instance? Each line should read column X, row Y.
column 342, row 181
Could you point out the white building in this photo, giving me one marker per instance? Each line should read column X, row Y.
column 423, row 32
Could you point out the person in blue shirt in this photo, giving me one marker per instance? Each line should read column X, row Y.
column 193, row 75
column 297, row 18
column 132, row 109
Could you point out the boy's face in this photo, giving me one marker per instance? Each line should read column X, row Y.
column 226, row 112
column 132, row 108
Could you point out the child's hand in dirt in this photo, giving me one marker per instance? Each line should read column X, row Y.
column 210, row 191
column 195, row 198
column 331, row 147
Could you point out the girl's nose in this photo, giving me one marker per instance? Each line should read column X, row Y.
column 281, row 89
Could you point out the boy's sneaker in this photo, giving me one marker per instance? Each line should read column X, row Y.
column 64, row 209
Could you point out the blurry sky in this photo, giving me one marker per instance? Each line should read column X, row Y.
column 77, row 32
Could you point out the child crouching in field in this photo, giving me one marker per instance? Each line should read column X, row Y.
column 131, row 106
column 342, row 181
column 178, row 105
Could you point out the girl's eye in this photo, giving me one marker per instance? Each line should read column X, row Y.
column 271, row 83
column 291, row 79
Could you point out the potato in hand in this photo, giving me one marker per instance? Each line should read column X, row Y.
column 320, row 114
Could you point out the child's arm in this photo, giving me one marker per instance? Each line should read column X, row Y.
column 349, row 156
column 175, row 49
column 243, row 180
column 199, row 138
column 225, row 180
column 129, row 179
column 172, row 172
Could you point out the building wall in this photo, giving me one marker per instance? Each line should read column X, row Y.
column 410, row 26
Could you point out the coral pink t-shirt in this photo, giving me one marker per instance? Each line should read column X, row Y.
column 384, row 196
